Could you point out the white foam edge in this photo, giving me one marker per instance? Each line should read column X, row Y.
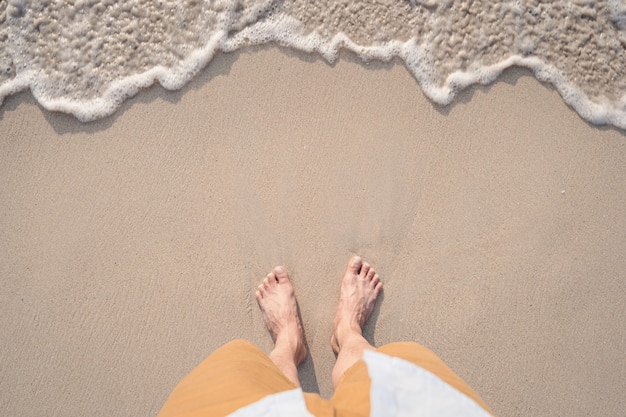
column 119, row 90
column 14, row 86
column 416, row 58
column 418, row 61
column 596, row 113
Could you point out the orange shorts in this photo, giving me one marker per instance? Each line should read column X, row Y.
column 239, row 374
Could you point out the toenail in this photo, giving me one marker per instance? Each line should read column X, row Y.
column 279, row 270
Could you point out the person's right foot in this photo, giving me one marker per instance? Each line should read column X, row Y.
column 359, row 289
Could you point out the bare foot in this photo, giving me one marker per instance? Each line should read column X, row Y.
column 359, row 289
column 280, row 310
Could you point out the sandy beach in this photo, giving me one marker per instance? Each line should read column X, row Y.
column 131, row 246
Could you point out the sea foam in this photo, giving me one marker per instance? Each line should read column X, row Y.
column 85, row 57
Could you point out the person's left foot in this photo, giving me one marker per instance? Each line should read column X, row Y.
column 280, row 310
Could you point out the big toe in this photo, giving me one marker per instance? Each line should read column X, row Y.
column 281, row 274
column 355, row 264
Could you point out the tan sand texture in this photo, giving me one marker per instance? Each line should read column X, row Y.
column 130, row 247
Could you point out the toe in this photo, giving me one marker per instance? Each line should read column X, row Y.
column 364, row 270
column 355, row 265
column 258, row 296
column 375, row 280
column 261, row 291
column 281, row 274
column 271, row 279
column 378, row 287
column 370, row 274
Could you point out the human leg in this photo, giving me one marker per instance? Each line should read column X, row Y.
column 239, row 373
column 359, row 290
column 280, row 311
column 360, row 287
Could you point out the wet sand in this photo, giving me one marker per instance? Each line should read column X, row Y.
column 131, row 246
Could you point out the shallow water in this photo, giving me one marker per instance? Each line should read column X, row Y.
column 85, row 57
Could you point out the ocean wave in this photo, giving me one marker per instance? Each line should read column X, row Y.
column 85, row 57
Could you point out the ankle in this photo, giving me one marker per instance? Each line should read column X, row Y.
column 289, row 348
column 345, row 332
